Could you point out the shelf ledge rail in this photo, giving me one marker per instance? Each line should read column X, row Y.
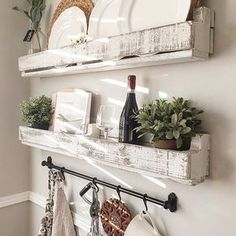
column 170, row 204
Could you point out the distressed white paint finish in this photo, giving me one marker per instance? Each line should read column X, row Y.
column 193, row 37
column 160, row 59
column 189, row 167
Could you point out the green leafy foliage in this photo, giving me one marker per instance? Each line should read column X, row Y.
column 169, row 120
column 36, row 112
column 34, row 13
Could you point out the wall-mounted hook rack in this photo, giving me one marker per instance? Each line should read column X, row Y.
column 170, row 204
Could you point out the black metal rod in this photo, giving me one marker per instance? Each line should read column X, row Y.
column 170, row 204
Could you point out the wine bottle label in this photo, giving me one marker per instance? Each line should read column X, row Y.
column 29, row 36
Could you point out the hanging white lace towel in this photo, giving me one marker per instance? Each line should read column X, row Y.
column 62, row 219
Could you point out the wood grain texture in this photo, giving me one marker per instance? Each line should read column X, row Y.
column 159, row 59
column 109, row 52
column 189, row 167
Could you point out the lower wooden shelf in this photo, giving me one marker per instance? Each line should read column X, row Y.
column 187, row 167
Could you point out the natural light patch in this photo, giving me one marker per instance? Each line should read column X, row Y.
column 109, row 63
column 115, row 101
column 163, row 95
column 73, row 108
column 113, row 20
column 164, row 75
column 94, row 144
column 91, row 162
column 58, row 144
column 155, row 181
column 121, row 84
column 115, row 122
column 102, row 40
column 60, row 69
column 69, row 55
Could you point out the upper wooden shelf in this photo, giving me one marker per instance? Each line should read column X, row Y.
column 187, row 167
column 182, row 42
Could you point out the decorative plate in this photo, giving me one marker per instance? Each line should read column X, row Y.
column 139, row 14
column 104, row 20
column 85, row 5
column 69, row 27
column 115, row 217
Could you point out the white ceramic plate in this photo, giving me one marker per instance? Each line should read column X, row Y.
column 68, row 28
column 140, row 14
column 104, row 20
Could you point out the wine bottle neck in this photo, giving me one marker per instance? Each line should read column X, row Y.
column 131, row 97
column 131, row 90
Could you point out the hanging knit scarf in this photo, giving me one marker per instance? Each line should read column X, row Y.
column 47, row 220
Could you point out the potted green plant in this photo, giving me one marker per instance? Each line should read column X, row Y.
column 36, row 112
column 34, row 14
column 171, row 124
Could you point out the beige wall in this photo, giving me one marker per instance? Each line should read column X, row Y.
column 14, row 220
column 14, row 174
column 206, row 209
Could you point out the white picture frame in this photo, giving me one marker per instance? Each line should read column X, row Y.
column 72, row 111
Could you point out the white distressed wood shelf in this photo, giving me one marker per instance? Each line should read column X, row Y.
column 182, row 42
column 187, row 167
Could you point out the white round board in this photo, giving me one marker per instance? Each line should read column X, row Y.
column 104, row 20
column 139, row 14
column 68, row 28
column 114, row 17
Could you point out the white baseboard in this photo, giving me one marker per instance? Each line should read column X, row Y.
column 14, row 199
column 39, row 200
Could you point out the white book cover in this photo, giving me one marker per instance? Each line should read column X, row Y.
column 72, row 111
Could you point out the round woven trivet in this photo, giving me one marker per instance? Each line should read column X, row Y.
column 115, row 217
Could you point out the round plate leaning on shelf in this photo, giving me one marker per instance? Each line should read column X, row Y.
column 70, row 26
column 85, row 5
column 138, row 14
column 104, row 20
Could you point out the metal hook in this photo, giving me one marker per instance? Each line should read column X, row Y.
column 118, row 191
column 94, row 180
column 84, row 191
column 61, row 174
column 145, row 202
column 95, row 184
column 92, row 185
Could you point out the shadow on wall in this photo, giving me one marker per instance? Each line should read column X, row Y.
column 96, row 100
column 223, row 29
column 221, row 167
